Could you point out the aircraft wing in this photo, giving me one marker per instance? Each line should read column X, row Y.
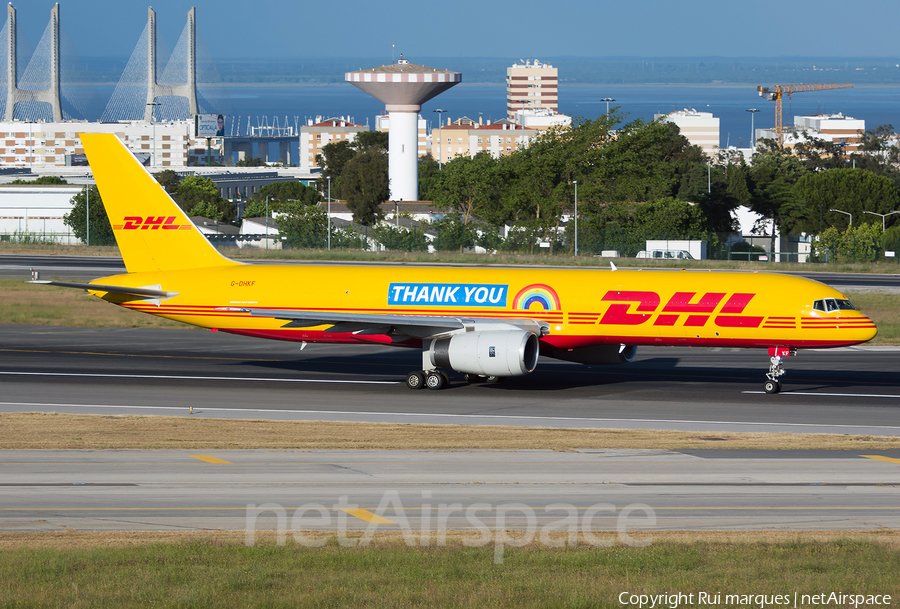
column 415, row 326
column 115, row 289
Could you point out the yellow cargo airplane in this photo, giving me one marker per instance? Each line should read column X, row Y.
column 485, row 323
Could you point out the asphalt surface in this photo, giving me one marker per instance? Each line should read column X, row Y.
column 633, row 492
column 710, row 391
column 147, row 371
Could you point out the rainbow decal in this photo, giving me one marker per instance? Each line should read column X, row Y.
column 537, row 296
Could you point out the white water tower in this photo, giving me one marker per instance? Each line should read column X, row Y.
column 403, row 87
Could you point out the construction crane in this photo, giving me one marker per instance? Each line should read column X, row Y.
column 779, row 91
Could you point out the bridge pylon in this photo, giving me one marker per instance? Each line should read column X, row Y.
column 14, row 95
column 188, row 89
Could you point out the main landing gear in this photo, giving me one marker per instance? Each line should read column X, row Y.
column 433, row 379
column 438, row 379
column 776, row 368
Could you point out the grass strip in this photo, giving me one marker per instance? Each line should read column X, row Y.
column 97, row 432
column 217, row 570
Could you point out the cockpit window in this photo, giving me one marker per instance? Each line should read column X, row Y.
column 833, row 304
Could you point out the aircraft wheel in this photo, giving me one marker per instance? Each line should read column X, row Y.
column 493, row 379
column 415, row 380
column 772, row 386
column 435, row 380
column 474, row 378
column 446, row 378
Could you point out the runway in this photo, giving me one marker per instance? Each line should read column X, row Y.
column 142, row 371
column 631, row 491
column 147, row 371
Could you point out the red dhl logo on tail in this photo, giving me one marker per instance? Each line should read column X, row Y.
column 696, row 312
column 151, row 223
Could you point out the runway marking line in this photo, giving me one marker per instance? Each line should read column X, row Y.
column 880, row 458
column 512, row 417
column 838, row 395
column 366, row 515
column 210, row 459
column 227, row 359
column 198, row 378
column 361, row 512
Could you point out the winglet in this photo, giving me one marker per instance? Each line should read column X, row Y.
column 612, row 266
column 153, row 232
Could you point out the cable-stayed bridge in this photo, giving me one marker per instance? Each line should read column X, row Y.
column 53, row 85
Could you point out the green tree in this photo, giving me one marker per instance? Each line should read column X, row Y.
column 850, row 190
column 466, row 185
column 771, row 180
column 168, row 179
column 40, row 181
column 365, row 185
column 332, row 160
column 855, row 244
column 251, row 162
column 199, row 196
column 101, row 232
column 670, row 218
column 366, row 140
column 304, row 226
column 429, row 178
column 279, row 195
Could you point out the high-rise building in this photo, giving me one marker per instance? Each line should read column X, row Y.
column 531, row 85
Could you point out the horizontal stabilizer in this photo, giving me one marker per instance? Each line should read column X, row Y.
column 115, row 289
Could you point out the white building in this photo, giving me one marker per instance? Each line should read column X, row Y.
column 158, row 144
column 700, row 128
column 315, row 135
column 844, row 130
column 542, row 119
column 36, row 213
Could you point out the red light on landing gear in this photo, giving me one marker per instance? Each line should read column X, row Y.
column 216, row 330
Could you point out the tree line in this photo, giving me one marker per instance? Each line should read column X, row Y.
column 641, row 178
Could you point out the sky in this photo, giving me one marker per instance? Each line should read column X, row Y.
column 286, row 29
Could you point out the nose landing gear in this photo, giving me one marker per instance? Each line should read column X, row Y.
column 776, row 368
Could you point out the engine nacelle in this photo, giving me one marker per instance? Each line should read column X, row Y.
column 596, row 355
column 488, row 353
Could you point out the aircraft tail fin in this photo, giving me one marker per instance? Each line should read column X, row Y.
column 153, row 232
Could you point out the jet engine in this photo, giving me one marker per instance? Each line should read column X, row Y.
column 596, row 355
column 488, row 353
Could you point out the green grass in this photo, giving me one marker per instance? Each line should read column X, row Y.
column 390, row 574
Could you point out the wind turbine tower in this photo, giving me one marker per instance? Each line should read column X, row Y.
column 403, row 88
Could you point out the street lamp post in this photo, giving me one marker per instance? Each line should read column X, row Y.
column 329, row 213
column 883, row 216
column 576, row 218
column 752, row 112
column 840, row 211
column 709, row 178
column 267, row 221
column 153, row 137
column 440, row 114
column 607, row 100
column 87, row 204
